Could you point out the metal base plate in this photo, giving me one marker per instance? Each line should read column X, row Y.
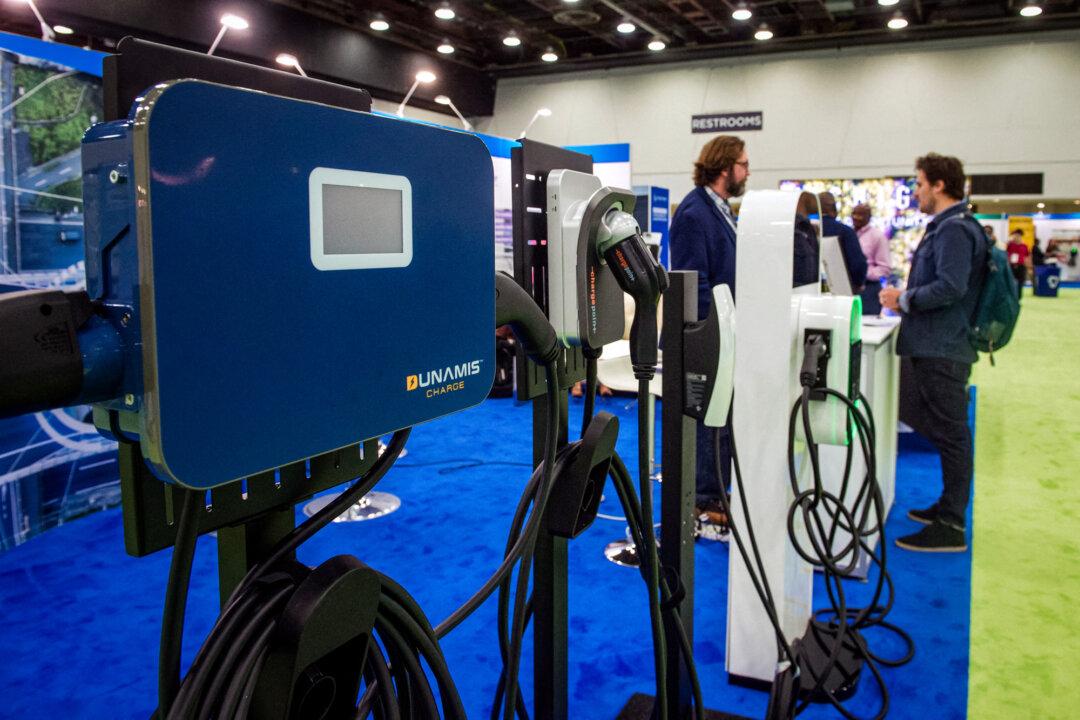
column 373, row 505
column 622, row 552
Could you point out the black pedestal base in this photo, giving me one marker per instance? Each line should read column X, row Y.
column 640, row 707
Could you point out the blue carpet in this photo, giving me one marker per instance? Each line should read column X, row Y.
column 81, row 618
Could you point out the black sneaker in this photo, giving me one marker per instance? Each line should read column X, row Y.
column 926, row 517
column 935, row 537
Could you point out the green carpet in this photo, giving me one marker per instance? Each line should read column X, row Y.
column 1025, row 599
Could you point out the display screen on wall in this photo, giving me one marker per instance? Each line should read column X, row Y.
column 892, row 203
column 54, row 466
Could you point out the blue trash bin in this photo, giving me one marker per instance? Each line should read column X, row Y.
column 1047, row 279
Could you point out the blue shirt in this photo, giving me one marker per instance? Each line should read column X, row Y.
column 943, row 287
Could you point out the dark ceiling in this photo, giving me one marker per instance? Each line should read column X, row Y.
column 335, row 41
column 583, row 33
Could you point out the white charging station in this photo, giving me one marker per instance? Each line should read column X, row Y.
column 773, row 321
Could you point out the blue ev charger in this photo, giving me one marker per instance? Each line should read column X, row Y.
column 285, row 278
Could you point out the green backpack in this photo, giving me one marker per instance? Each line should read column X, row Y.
column 998, row 307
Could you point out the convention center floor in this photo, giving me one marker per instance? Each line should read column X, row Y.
column 82, row 619
column 1025, row 630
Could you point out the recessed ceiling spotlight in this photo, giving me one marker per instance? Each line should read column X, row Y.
column 445, row 12
column 62, row 30
column 1031, row 10
column 1040, row 205
column 626, row 27
column 656, row 45
column 887, row 3
column 763, row 33
column 549, row 56
column 446, row 48
column 379, row 25
column 511, row 40
column 897, row 21
column 741, row 13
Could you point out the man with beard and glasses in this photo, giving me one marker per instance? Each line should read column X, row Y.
column 947, row 271
column 702, row 238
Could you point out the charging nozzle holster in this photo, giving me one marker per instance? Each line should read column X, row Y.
column 55, row 352
column 579, row 476
column 709, row 361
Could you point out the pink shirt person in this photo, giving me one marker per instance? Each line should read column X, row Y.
column 874, row 244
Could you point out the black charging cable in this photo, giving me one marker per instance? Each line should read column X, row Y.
column 222, row 678
column 845, row 622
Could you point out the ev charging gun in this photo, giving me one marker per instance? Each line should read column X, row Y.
column 709, row 361
column 619, row 242
column 57, row 352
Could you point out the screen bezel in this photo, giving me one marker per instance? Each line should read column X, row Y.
column 322, row 260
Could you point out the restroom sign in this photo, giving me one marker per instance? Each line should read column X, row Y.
column 727, row 122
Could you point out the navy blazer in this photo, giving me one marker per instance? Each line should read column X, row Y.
column 702, row 240
column 947, row 272
column 850, row 247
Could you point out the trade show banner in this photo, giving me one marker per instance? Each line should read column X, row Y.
column 893, row 208
column 1026, row 225
column 53, row 465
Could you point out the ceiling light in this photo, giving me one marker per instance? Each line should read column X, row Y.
column 62, row 29
column 549, row 56
column 445, row 100
column 657, row 45
column 445, row 12
column 511, row 40
column 290, row 61
column 763, row 33
column 540, row 112
column 1040, row 205
column 379, row 25
column 887, row 3
column 228, row 22
column 897, row 21
column 741, row 13
column 626, row 27
column 1031, row 10
column 234, row 22
column 446, row 48
column 424, row 76
column 1076, row 202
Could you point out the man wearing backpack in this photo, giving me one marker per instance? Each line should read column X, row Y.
column 936, row 308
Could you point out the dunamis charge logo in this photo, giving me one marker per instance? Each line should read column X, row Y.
column 441, row 381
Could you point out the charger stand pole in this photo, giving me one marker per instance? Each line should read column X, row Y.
column 550, row 599
column 678, row 454
column 529, row 167
column 766, row 385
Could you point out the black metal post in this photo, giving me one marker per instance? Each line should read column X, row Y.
column 678, row 455
column 550, row 625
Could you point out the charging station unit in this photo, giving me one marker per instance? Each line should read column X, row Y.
column 326, row 234
column 774, row 321
column 586, row 303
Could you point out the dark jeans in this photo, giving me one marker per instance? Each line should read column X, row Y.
column 933, row 401
column 708, row 487
column 1020, row 273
